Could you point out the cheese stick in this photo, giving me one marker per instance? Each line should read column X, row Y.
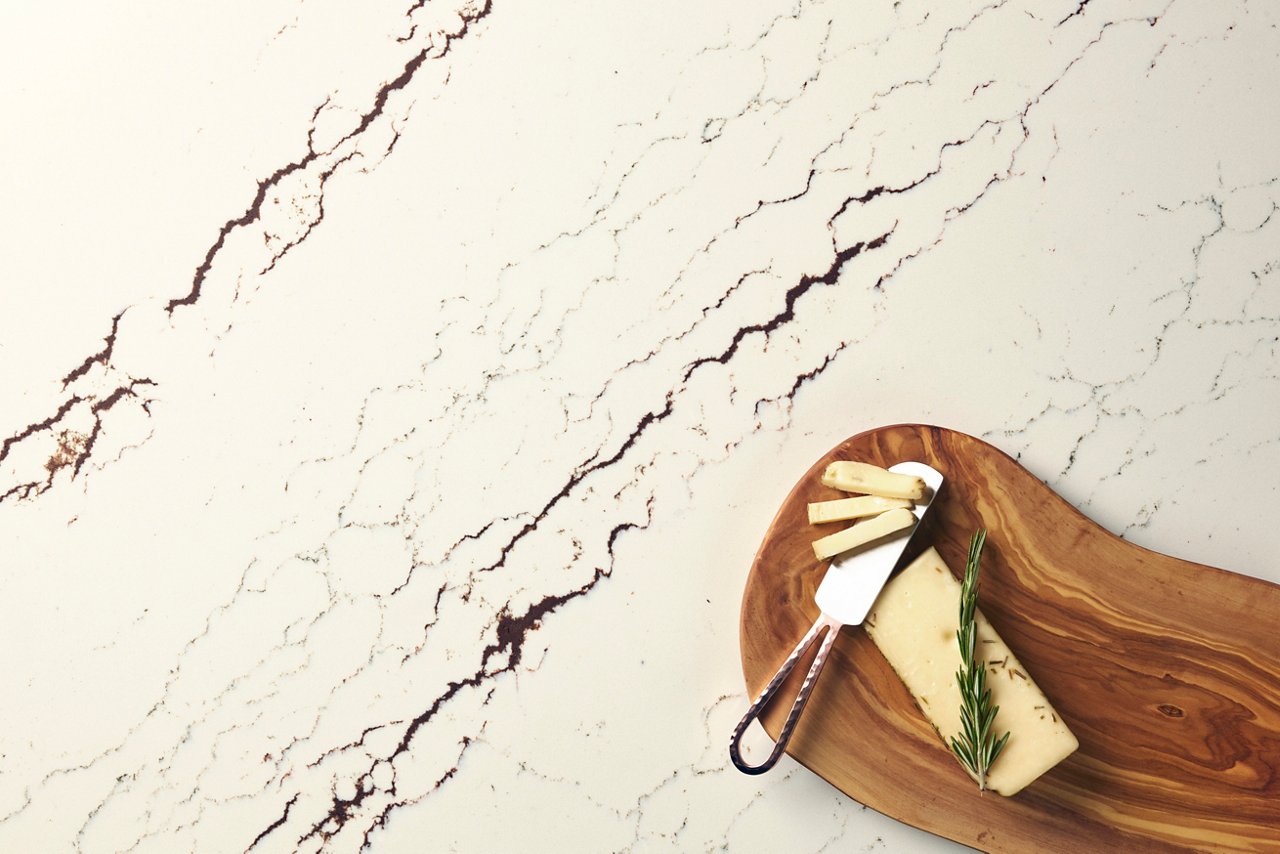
column 872, row 480
column 852, row 508
column 914, row 623
column 863, row 532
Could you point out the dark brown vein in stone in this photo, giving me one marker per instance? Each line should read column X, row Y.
column 512, row 632
column 581, row 474
column 380, row 821
column 275, row 824
column 73, row 448
column 812, row 373
column 102, row 406
column 793, row 295
column 102, row 357
column 254, row 211
column 1079, row 10
column 276, row 257
column 32, row 429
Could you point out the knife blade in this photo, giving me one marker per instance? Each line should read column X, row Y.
column 848, row 590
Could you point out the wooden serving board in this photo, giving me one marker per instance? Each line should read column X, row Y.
column 1167, row 671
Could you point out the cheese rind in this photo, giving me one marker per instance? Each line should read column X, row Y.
column 914, row 623
column 863, row 532
column 849, row 476
column 853, row 508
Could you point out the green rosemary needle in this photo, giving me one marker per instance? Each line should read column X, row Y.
column 977, row 747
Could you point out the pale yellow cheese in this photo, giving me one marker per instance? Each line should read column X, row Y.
column 863, row 532
column 872, row 480
column 914, row 622
column 852, row 508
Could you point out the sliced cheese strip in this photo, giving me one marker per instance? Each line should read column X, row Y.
column 852, row 508
column 914, row 622
column 872, row 480
column 863, row 532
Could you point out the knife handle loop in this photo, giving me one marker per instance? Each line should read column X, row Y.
column 797, row 707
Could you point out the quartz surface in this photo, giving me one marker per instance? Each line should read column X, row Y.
column 393, row 395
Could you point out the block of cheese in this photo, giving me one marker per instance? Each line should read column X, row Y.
column 852, row 508
column 863, row 532
column 872, row 480
column 914, row 623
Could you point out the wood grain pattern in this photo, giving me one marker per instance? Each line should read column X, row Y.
column 1167, row 671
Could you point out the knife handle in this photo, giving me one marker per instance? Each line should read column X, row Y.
column 823, row 622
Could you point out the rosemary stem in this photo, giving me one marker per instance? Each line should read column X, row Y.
column 977, row 745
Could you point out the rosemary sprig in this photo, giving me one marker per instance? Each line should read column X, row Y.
column 977, row 747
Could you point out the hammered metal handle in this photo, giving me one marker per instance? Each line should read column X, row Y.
column 735, row 754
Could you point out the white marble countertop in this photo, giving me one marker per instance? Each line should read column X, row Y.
column 393, row 397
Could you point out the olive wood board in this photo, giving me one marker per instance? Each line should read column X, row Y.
column 1167, row 671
